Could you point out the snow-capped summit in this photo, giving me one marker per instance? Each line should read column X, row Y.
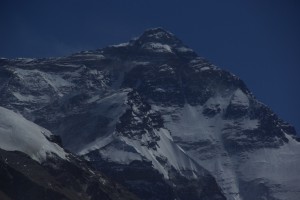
column 161, row 41
column 158, row 35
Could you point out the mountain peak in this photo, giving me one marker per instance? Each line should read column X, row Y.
column 158, row 32
column 159, row 40
column 158, row 35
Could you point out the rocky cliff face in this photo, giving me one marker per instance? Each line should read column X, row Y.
column 159, row 119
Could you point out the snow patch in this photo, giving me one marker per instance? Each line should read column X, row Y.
column 35, row 79
column 157, row 47
column 112, row 106
column 201, row 138
column 19, row 134
column 278, row 166
column 205, row 68
column 160, row 34
column 240, row 98
column 167, row 150
column 31, row 98
column 120, row 45
column 166, row 68
column 184, row 49
column 120, row 153
column 159, row 90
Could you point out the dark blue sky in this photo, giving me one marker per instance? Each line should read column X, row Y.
column 257, row 40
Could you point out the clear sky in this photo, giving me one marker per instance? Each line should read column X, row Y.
column 258, row 40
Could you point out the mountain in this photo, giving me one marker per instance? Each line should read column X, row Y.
column 160, row 120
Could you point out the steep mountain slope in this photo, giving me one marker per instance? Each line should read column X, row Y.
column 19, row 134
column 159, row 119
column 32, row 166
